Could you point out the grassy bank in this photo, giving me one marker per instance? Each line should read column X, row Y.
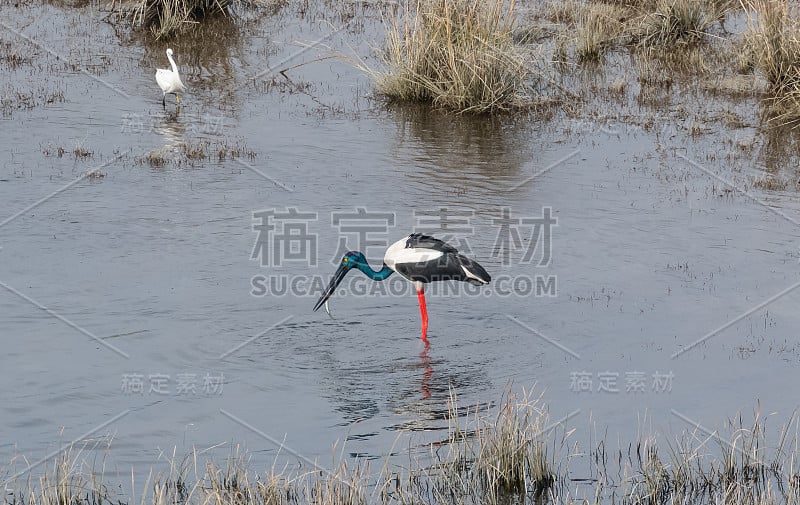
column 470, row 56
column 676, row 40
column 513, row 453
column 491, row 456
column 473, row 56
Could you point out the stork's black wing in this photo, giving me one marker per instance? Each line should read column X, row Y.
column 418, row 240
column 450, row 266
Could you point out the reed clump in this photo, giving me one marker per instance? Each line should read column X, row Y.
column 774, row 47
column 744, row 472
column 497, row 458
column 458, row 55
column 673, row 22
column 510, row 450
column 65, row 481
column 600, row 27
column 167, row 18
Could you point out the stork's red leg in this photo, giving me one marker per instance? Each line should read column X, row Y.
column 424, row 313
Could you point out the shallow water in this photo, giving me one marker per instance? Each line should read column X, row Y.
column 147, row 272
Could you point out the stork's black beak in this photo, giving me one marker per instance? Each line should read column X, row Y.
column 337, row 278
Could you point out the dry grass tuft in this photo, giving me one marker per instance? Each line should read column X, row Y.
column 600, row 26
column 167, row 18
column 82, row 152
column 156, row 159
column 195, row 151
column 676, row 22
column 511, row 453
column 741, row 474
column 566, row 12
column 65, row 482
column 775, row 51
column 458, row 55
column 771, row 183
column 345, row 486
column 12, row 56
column 498, row 457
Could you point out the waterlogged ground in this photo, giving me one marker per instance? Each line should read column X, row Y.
column 158, row 268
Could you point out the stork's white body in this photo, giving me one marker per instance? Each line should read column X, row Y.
column 422, row 259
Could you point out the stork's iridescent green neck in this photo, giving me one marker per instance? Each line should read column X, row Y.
column 356, row 259
column 351, row 260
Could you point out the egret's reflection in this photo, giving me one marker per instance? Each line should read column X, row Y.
column 172, row 128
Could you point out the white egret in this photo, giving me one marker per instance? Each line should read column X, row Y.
column 169, row 81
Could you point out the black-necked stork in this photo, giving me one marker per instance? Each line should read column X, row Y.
column 418, row 258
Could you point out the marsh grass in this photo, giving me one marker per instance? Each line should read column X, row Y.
column 511, row 453
column 673, row 22
column 771, row 183
column 646, row 24
column 26, row 99
column 65, row 481
column 774, row 49
column 155, row 159
column 458, row 55
column 743, row 471
column 81, row 152
column 13, row 57
column 169, row 18
column 600, row 27
column 492, row 457
column 193, row 152
column 196, row 150
column 566, row 12
column 507, row 454
column 657, row 67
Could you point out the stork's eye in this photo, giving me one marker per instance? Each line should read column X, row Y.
column 344, row 260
